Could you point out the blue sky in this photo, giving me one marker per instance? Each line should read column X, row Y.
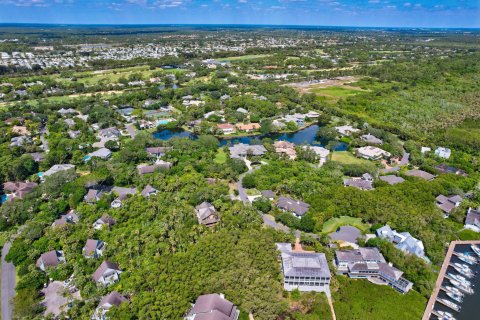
column 386, row 13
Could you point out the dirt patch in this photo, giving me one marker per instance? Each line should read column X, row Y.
column 306, row 86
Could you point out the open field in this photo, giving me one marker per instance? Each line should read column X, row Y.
column 221, row 156
column 334, row 223
column 346, row 157
column 336, row 92
column 362, row 300
column 338, row 82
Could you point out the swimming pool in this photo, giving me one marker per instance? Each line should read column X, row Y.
column 40, row 174
column 86, row 158
column 3, row 198
column 163, row 122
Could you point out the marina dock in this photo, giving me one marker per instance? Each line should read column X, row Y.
column 441, row 275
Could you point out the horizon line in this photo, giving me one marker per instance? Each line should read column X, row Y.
column 3, row 24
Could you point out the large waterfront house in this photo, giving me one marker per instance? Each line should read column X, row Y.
column 369, row 263
column 472, row 222
column 403, row 241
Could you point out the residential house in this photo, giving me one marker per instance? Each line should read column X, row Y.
column 241, row 150
column 285, row 148
column 147, row 169
column 372, row 153
column 111, row 133
column 371, row 139
column 74, row 134
column 93, row 195
column 420, row 174
column 57, row 168
column 50, row 259
column 69, row 218
column 369, row 263
column 242, row 110
column 444, row 153
column 113, row 299
column 206, row 214
column 278, row 124
column 447, row 204
column 403, row 241
column 37, row 157
column 321, row 153
column 107, row 273
column 20, row 130
column 65, row 112
column 365, row 182
column 157, row 151
column 392, row 179
column 18, row 189
column 313, row 115
column 346, row 130
column 105, row 220
column 102, row 153
column 212, row 307
column 472, row 222
column 305, row 271
column 70, row 122
column 93, row 248
column 19, row 141
column 226, row 128
column 297, row 118
column 122, row 193
column 296, row 207
column 148, row 191
column 248, row 127
column 268, row 194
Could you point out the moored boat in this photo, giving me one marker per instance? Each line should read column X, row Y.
column 455, row 297
column 465, row 257
column 444, row 315
column 460, row 279
column 449, row 304
column 462, row 287
column 475, row 249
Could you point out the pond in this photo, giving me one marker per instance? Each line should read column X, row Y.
column 303, row 136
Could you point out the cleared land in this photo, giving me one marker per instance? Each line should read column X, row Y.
column 245, row 57
column 310, row 86
column 362, row 300
column 337, row 92
column 346, row 157
column 334, row 223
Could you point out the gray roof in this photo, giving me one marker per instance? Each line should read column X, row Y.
column 358, row 183
column 295, row 206
column 104, row 267
column 268, row 194
column 346, row 233
column 392, row 179
column 213, row 303
column 103, row 153
column 241, row 149
column 206, row 213
column 148, row 190
column 360, row 255
column 57, row 168
column 473, row 217
column 157, row 150
column 420, row 174
column 304, row 264
column 91, row 246
column 371, row 139
column 113, row 299
column 50, row 258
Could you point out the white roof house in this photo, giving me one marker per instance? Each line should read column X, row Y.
column 58, row 168
column 444, row 153
column 372, row 153
column 322, row 153
column 346, row 130
column 403, row 241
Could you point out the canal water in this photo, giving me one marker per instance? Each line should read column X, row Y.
column 304, row 136
column 470, row 307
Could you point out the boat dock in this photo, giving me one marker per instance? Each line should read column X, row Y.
column 448, row 306
column 441, row 276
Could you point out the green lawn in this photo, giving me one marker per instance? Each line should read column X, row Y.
column 468, row 235
column 221, row 156
column 346, row 157
column 362, row 300
column 336, row 92
column 334, row 223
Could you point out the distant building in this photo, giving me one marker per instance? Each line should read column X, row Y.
column 226, row 128
column 241, row 150
column 371, row 139
column 444, row 153
column 107, row 273
column 369, row 263
column 157, row 151
column 346, row 130
column 268, row 194
column 285, row 148
column 69, row 218
column 373, row 153
column 392, row 179
column 93, row 195
column 109, row 133
column 148, row 169
column 212, row 307
column 296, row 207
column 248, row 127
column 50, row 259
column 403, row 241
column 420, row 174
column 58, row 168
column 305, row 271
column 206, row 214
column 447, row 204
column 365, row 182
column 102, row 153
column 18, row 189
column 443, row 168
column 105, row 220
column 322, row 153
column 148, row 191
column 472, row 222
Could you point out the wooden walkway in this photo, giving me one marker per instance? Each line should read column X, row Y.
column 441, row 275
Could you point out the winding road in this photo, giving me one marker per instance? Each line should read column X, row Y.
column 8, row 284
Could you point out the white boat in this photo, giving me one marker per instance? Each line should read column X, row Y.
column 460, row 279
column 444, row 315
column 462, row 287
column 466, row 258
column 454, row 290
column 475, row 249
column 463, row 269
column 455, row 297
column 450, row 304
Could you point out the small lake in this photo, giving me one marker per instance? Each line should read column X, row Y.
column 303, row 136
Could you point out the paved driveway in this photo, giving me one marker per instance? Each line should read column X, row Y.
column 8, row 284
